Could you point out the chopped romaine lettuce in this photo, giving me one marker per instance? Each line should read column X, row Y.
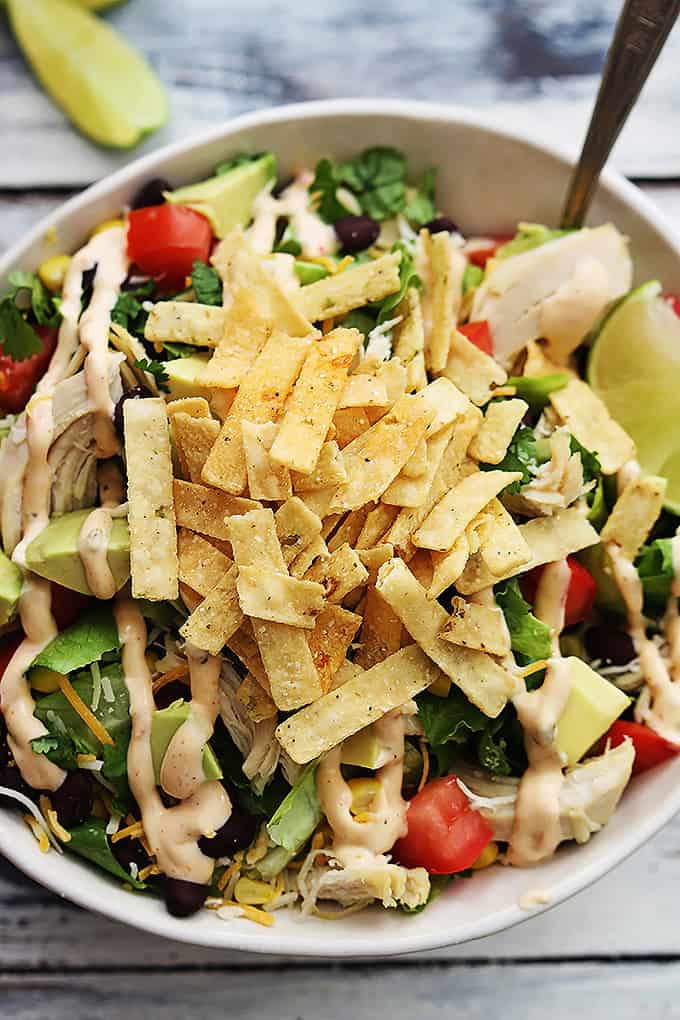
column 407, row 278
column 529, row 637
column 89, row 840
column 536, row 390
column 656, row 570
column 298, row 815
column 84, row 642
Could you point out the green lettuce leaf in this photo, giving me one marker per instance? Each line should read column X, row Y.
column 528, row 236
column 28, row 291
column 128, row 310
column 529, row 636
column 298, row 815
column 449, row 719
column 81, row 644
column 472, row 277
column 206, row 283
column 536, row 390
column 407, row 278
column 89, row 840
column 655, row 568
column 18, row 339
column 590, row 462
column 524, row 454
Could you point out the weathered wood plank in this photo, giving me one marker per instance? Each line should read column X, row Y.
column 532, row 66
column 521, row 993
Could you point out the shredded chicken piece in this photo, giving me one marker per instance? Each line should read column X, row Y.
column 255, row 741
column 556, row 484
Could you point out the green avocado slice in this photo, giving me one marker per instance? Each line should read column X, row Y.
column 227, row 199
column 53, row 554
column 164, row 725
column 10, row 587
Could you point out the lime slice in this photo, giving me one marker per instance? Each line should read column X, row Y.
column 634, row 367
column 105, row 87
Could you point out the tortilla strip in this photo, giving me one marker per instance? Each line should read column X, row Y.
column 349, row 529
column 634, row 514
column 151, row 514
column 333, row 633
column 266, row 479
column 194, row 439
column 476, row 626
column 257, row 703
column 502, row 546
column 381, row 632
column 390, row 373
column 349, row 424
column 374, row 459
column 195, row 407
column 244, row 646
column 339, row 574
column 336, row 295
column 374, row 558
column 588, row 419
column 416, row 465
column 473, row 371
column 184, row 322
column 378, row 521
column 296, row 527
column 314, row 400
column 286, row 657
column 317, row 549
column 363, row 391
column 457, row 508
column 448, row 566
column 189, row 597
column 270, row 595
column 329, row 470
column 319, row 500
column 447, row 265
column 357, row 703
column 548, row 539
column 217, row 618
column 412, row 492
column 202, row 509
column 408, row 340
column 482, row 680
column 260, row 399
column 501, row 421
column 201, row 565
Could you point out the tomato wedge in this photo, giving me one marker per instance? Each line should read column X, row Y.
column 479, row 334
column 674, row 302
column 445, row 834
column 165, row 240
column 479, row 256
column 580, row 594
column 650, row 748
column 18, row 378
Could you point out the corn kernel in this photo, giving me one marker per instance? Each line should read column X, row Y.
column 52, row 272
column 248, row 890
column 364, row 792
column 44, row 680
column 107, row 225
column 487, row 857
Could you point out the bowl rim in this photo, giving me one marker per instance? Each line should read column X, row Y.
column 265, row 942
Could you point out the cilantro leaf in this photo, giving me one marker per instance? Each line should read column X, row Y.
column 376, row 177
column 656, row 571
column 449, row 719
column 523, row 455
column 81, row 644
column 175, row 351
column 60, row 749
column 325, row 186
column 18, row 339
column 529, row 636
column 89, row 840
column 421, row 208
column 407, row 278
column 37, row 298
column 590, row 463
column 206, row 283
column 536, row 390
column 156, row 369
column 128, row 310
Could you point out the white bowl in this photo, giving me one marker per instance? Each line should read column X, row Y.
column 488, row 180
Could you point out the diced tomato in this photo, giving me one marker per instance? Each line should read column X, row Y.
column 18, row 378
column 479, row 334
column 674, row 302
column 67, row 605
column 479, row 256
column 580, row 594
column 445, row 834
column 7, row 650
column 165, row 241
column 650, row 748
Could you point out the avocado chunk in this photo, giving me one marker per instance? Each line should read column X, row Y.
column 227, row 200
column 11, row 581
column 184, row 376
column 54, row 553
column 608, row 597
column 364, row 750
column 593, row 705
column 164, row 725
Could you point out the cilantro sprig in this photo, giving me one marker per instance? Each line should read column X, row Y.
column 28, row 301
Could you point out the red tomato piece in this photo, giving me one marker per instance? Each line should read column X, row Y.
column 674, row 302
column 7, row 650
column 479, row 334
column 445, row 834
column 580, row 594
column 479, row 256
column 165, row 241
column 67, row 605
column 18, row 378
column 650, row 748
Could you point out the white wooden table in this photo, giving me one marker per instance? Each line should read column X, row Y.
column 611, row 952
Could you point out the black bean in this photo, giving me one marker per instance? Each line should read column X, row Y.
column 442, row 224
column 609, row 644
column 237, row 833
column 74, row 798
column 171, row 692
column 356, row 233
column 129, row 851
column 136, row 393
column 183, row 898
column 150, row 193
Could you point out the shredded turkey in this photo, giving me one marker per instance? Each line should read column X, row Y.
column 255, row 741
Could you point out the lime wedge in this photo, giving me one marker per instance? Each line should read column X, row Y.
column 634, row 366
column 105, row 87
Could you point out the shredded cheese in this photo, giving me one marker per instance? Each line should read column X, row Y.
column 148, row 871
column 39, row 833
column 251, row 913
column 26, row 802
column 85, row 713
column 426, row 764
column 135, row 831
column 52, row 819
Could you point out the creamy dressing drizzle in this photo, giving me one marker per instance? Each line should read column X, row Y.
column 356, row 842
column 315, row 237
column 630, row 472
column 93, row 540
column 173, row 833
column 108, row 251
column 536, row 830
